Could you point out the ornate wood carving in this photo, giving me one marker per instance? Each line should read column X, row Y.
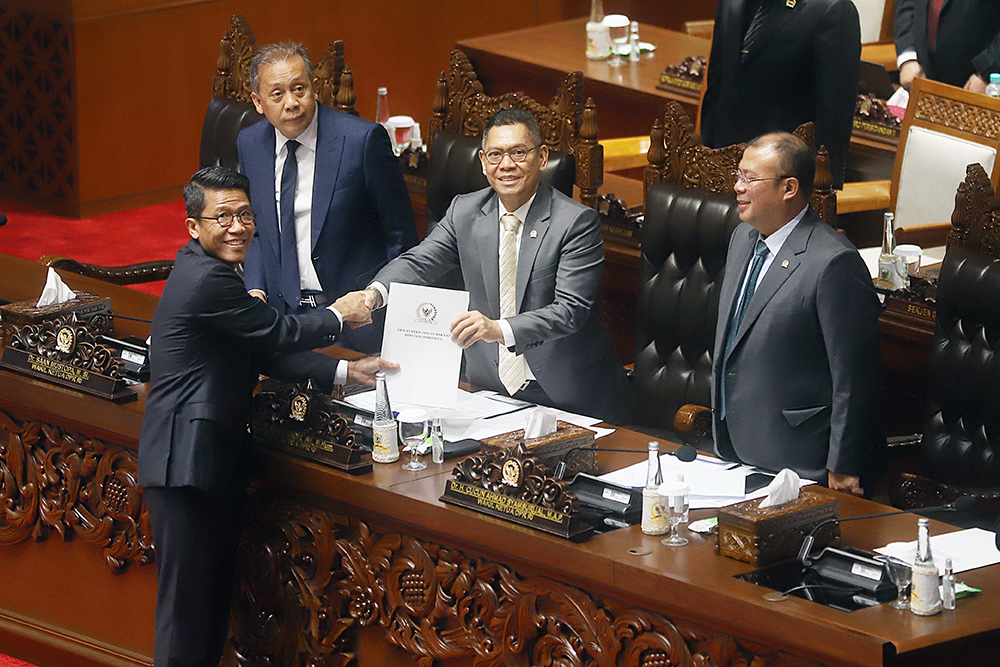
column 308, row 584
column 69, row 340
column 38, row 145
column 976, row 219
column 872, row 114
column 76, row 486
column 567, row 124
column 677, row 155
column 334, row 81
column 958, row 115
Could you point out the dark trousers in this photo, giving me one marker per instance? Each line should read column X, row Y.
column 195, row 534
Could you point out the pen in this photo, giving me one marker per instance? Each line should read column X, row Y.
column 510, row 412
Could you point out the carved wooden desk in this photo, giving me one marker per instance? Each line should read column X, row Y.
column 377, row 569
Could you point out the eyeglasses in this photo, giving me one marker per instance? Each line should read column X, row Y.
column 225, row 220
column 518, row 155
column 741, row 177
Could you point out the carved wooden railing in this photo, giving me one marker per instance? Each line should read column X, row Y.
column 568, row 125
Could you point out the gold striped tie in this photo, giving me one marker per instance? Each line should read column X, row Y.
column 512, row 371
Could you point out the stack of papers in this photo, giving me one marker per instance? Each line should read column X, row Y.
column 967, row 549
column 714, row 483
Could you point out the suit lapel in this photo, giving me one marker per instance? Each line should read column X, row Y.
column 486, row 235
column 779, row 15
column 329, row 151
column 535, row 226
column 261, row 170
column 731, row 284
column 784, row 265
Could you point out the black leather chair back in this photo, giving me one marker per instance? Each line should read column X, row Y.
column 685, row 239
column 224, row 120
column 455, row 170
column 961, row 442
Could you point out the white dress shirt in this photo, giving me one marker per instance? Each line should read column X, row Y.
column 774, row 243
column 305, row 156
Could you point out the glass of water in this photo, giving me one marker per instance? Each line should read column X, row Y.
column 413, row 431
column 901, row 574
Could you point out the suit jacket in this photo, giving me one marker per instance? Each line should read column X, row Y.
column 801, row 376
column 968, row 38
column 803, row 66
column 361, row 212
column 210, row 341
column 557, row 327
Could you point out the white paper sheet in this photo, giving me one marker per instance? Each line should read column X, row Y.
column 417, row 337
column 967, row 549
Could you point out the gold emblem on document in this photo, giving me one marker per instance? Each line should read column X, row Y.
column 299, row 407
column 66, row 340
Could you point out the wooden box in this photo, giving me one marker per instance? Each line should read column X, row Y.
column 550, row 449
column 764, row 536
column 86, row 306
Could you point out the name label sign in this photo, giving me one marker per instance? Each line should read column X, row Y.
column 321, row 450
column 67, row 375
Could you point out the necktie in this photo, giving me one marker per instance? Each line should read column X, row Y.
column 511, row 366
column 289, row 282
column 760, row 254
column 933, row 18
column 752, row 31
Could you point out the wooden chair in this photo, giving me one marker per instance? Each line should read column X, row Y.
column 569, row 126
column 957, row 453
column 944, row 130
column 130, row 274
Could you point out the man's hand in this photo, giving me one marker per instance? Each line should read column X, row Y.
column 846, row 483
column 910, row 70
column 257, row 293
column 470, row 326
column 354, row 309
column 976, row 84
column 372, row 297
column 362, row 371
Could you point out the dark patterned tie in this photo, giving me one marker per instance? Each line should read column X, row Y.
column 289, row 282
column 756, row 23
column 933, row 18
column 760, row 254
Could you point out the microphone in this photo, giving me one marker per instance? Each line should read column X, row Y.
column 960, row 504
column 685, row 453
column 3, row 219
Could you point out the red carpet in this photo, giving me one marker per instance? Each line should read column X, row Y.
column 7, row 661
column 129, row 237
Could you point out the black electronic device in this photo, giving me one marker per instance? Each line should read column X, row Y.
column 361, row 420
column 756, row 481
column 606, row 505
column 873, row 79
column 452, row 450
column 134, row 354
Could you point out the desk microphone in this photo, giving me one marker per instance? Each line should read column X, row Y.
column 961, row 504
column 685, row 453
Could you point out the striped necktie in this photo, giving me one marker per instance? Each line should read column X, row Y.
column 511, row 366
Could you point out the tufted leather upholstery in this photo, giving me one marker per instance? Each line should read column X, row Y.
column 685, row 239
column 224, row 119
column 455, row 170
column 961, row 442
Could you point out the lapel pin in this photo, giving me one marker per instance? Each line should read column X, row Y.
column 784, row 264
column 790, row 4
column 534, row 234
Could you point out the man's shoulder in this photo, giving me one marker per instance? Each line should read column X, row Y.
column 342, row 122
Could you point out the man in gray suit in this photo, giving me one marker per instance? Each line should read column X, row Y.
column 796, row 346
column 532, row 261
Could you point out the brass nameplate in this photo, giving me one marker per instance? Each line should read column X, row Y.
column 875, row 129
column 320, row 450
column 678, row 82
column 67, row 375
column 515, row 510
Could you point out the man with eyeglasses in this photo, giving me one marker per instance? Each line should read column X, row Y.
column 210, row 342
column 796, row 348
column 531, row 259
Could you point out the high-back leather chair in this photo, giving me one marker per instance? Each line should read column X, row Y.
column 958, row 454
column 230, row 110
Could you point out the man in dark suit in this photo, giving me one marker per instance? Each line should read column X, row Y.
column 531, row 259
column 339, row 188
column 776, row 64
column 953, row 41
column 796, row 345
column 210, row 341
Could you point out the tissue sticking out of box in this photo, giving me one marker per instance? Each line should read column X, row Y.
column 55, row 291
column 539, row 422
column 784, row 488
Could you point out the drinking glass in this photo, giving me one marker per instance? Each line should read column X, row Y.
column 413, row 431
column 901, row 573
column 677, row 510
column 618, row 27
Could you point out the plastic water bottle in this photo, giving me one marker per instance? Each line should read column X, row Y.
column 993, row 87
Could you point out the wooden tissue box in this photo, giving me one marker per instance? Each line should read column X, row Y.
column 764, row 536
column 85, row 306
column 550, row 448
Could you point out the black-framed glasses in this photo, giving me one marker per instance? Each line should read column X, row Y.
column 225, row 220
column 518, row 155
column 741, row 177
